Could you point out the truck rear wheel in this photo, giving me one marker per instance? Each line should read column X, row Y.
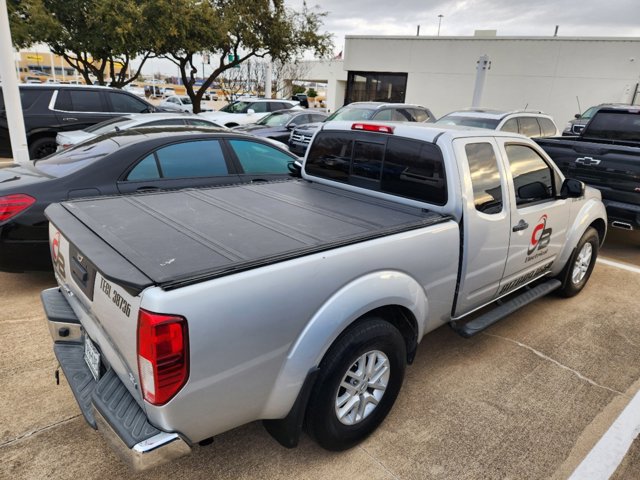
column 360, row 378
column 579, row 267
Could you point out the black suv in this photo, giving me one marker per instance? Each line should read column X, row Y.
column 49, row 109
column 378, row 111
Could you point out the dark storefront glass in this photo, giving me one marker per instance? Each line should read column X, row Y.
column 376, row 87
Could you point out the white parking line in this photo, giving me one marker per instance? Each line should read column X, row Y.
column 605, row 457
column 623, row 266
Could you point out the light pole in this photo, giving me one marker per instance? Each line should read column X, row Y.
column 439, row 22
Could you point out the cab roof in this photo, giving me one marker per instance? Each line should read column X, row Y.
column 428, row 132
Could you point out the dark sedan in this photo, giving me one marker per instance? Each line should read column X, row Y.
column 124, row 162
column 279, row 124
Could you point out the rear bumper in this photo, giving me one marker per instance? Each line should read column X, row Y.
column 106, row 404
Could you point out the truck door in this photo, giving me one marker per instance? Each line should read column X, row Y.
column 486, row 222
column 539, row 218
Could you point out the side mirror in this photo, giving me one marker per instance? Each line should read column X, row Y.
column 251, row 111
column 532, row 191
column 577, row 115
column 295, row 168
column 572, row 188
column 291, row 126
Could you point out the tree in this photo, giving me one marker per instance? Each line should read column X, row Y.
column 298, row 89
column 232, row 32
column 99, row 38
column 311, row 93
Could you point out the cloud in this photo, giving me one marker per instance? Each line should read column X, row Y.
column 615, row 18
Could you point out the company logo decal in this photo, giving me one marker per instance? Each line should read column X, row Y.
column 56, row 255
column 540, row 237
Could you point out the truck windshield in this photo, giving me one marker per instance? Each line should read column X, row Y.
column 621, row 125
column 75, row 158
column 476, row 122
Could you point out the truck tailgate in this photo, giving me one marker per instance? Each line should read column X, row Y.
column 181, row 237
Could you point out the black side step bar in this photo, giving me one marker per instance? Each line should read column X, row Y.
column 485, row 320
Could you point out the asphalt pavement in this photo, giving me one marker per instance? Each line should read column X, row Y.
column 527, row 399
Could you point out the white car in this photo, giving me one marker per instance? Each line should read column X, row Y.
column 135, row 89
column 248, row 110
column 168, row 92
column 133, row 120
column 529, row 123
column 177, row 103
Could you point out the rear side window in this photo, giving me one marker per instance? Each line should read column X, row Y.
column 547, row 127
column 146, row 169
column 532, row 177
column 485, row 177
column 419, row 115
column 408, row 168
column 255, row 157
column 121, row 102
column 330, row 157
column 529, row 127
column 259, row 107
column 511, row 125
column 201, row 158
column 415, row 170
column 27, row 97
column 79, row 101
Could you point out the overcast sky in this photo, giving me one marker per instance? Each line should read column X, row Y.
column 462, row 17
column 584, row 18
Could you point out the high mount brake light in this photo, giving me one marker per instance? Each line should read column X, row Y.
column 368, row 127
column 163, row 355
column 12, row 205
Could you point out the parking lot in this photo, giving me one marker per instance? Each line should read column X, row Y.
column 526, row 399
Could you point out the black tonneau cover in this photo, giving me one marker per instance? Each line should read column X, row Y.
column 180, row 237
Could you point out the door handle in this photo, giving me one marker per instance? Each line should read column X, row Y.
column 70, row 119
column 522, row 225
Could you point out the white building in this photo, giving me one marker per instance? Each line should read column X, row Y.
column 559, row 76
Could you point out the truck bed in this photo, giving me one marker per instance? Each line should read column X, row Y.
column 180, row 237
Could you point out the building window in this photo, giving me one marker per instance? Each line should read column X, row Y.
column 376, row 87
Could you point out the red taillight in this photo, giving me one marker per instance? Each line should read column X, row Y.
column 163, row 355
column 368, row 127
column 11, row 205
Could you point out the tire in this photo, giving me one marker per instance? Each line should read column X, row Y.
column 42, row 147
column 579, row 267
column 370, row 342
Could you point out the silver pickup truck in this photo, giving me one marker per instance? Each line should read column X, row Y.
column 183, row 314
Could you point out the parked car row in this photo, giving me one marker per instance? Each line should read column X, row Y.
column 51, row 109
column 121, row 162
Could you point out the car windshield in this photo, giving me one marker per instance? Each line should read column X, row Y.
column 589, row 112
column 236, row 107
column 490, row 123
column 277, row 119
column 75, row 158
column 351, row 114
column 108, row 125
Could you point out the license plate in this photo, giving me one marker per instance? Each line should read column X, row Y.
column 92, row 357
